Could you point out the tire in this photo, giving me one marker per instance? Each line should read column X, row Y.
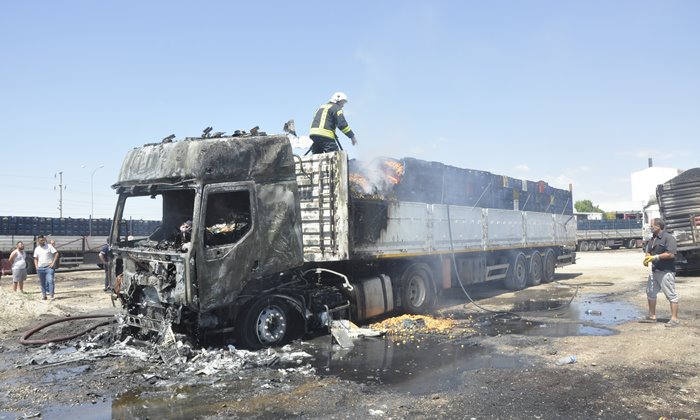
column 584, row 247
column 550, row 263
column 536, row 269
column 517, row 273
column 599, row 246
column 265, row 324
column 417, row 292
column 631, row 244
column 30, row 266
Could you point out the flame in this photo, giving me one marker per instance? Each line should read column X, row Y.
column 393, row 170
column 360, row 181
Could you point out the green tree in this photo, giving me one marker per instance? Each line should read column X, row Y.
column 586, row 206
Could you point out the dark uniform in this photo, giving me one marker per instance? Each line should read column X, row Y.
column 322, row 133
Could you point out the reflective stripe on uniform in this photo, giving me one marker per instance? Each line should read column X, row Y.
column 346, row 130
column 324, row 115
column 315, row 131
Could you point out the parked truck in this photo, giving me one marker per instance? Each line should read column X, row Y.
column 679, row 205
column 78, row 240
column 595, row 234
column 260, row 245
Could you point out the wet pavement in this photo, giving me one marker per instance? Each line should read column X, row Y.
column 422, row 365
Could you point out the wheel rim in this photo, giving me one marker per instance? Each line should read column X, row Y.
column 271, row 325
column 521, row 271
column 416, row 290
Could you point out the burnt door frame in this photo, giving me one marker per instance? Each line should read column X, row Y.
column 223, row 270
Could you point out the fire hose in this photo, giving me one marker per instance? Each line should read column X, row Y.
column 25, row 337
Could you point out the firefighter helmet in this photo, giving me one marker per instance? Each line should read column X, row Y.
column 339, row 96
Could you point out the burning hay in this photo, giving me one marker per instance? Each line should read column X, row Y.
column 376, row 179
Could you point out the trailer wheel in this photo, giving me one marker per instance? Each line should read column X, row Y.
column 417, row 295
column 535, row 276
column 584, row 247
column 30, row 266
column 600, row 245
column 517, row 273
column 265, row 324
column 632, row 243
column 550, row 263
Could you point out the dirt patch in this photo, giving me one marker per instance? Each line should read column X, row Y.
column 634, row 370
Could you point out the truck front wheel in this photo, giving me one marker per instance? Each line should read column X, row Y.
column 266, row 324
column 417, row 293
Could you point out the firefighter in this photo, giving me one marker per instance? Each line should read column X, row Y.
column 327, row 118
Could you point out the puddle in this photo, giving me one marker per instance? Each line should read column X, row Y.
column 417, row 367
column 99, row 410
column 584, row 316
column 60, row 375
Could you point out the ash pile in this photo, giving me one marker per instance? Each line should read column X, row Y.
column 171, row 355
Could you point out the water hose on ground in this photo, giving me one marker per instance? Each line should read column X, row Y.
column 25, row 337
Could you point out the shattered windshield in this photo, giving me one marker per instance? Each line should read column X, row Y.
column 160, row 221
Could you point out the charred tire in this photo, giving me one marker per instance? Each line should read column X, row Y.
column 265, row 324
column 517, row 273
column 600, row 245
column 417, row 293
column 548, row 266
column 583, row 246
column 536, row 269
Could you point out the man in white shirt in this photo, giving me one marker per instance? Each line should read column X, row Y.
column 45, row 259
column 19, row 267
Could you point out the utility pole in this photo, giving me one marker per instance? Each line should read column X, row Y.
column 60, row 193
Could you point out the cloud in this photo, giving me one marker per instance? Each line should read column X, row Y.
column 522, row 168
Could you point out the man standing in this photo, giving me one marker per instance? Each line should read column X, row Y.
column 329, row 117
column 45, row 258
column 105, row 254
column 661, row 253
column 19, row 267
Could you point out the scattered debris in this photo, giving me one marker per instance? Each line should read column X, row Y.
column 344, row 332
column 408, row 325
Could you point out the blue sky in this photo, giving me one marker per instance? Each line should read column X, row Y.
column 564, row 91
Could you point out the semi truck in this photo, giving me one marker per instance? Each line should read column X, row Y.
column 679, row 205
column 259, row 245
column 626, row 231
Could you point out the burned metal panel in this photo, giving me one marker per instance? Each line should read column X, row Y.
column 272, row 244
column 280, row 228
column 679, row 203
column 323, row 196
column 159, row 271
column 224, row 266
column 260, row 158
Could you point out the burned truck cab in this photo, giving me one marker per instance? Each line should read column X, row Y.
column 229, row 223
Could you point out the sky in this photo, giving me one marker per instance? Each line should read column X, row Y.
column 569, row 92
